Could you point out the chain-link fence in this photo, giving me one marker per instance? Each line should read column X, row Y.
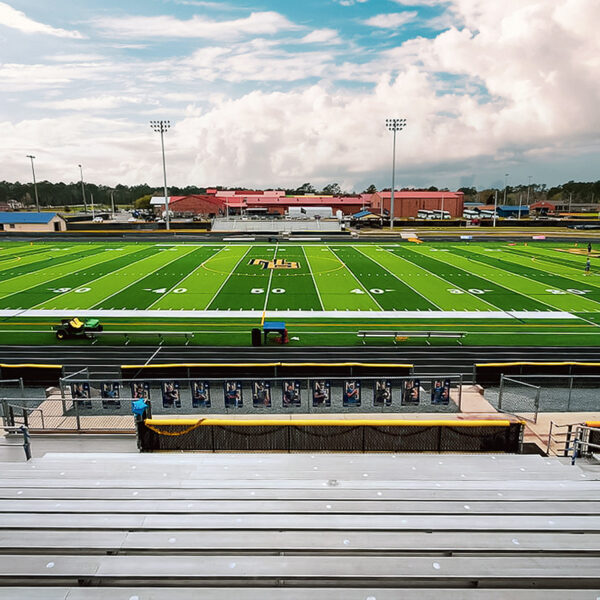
column 83, row 403
column 557, row 393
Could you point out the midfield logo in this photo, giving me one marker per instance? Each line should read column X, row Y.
column 278, row 263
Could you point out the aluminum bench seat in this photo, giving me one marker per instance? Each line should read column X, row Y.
column 265, row 593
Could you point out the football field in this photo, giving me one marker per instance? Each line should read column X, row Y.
column 428, row 284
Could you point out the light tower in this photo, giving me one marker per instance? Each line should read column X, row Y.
column 394, row 125
column 37, row 202
column 162, row 127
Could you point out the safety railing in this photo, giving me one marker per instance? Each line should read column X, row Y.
column 26, row 439
column 560, row 439
column 582, row 441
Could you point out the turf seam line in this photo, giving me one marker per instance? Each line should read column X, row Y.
column 237, row 264
column 86, row 283
column 312, row 276
column 180, row 282
column 37, row 283
column 355, row 277
column 398, row 278
column 270, row 280
column 139, row 278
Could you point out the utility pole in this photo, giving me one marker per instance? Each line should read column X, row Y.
column 505, row 186
column 528, row 188
column 112, row 203
column 394, row 125
column 83, row 189
column 92, row 198
column 37, row 202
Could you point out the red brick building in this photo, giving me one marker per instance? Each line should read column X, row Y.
column 406, row 204
column 409, row 203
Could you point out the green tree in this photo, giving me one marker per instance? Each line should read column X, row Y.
column 371, row 189
column 306, row 188
column 143, row 203
column 333, row 189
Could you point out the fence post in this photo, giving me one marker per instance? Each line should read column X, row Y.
column 22, row 386
column 26, row 442
column 549, row 438
column 570, row 392
column 77, row 419
column 537, row 404
column 5, row 416
column 500, row 391
column 460, row 385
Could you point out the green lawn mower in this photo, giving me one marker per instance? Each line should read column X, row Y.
column 76, row 328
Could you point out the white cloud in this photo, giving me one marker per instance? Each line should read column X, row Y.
column 518, row 84
column 322, row 36
column 166, row 26
column 15, row 19
column 93, row 103
column 259, row 60
column 350, row 2
column 422, row 2
column 391, row 20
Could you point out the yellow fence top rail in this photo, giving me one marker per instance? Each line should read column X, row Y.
column 592, row 423
column 271, row 364
column 29, row 366
column 345, row 364
column 327, row 423
column 175, row 365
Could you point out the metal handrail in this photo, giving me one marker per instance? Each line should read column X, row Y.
column 26, row 438
column 579, row 442
column 29, row 410
column 567, row 434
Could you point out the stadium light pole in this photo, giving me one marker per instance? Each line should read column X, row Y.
column 37, row 202
column 505, row 186
column 528, row 187
column 394, row 125
column 83, row 189
column 162, row 127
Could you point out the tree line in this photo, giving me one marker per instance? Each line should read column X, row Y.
column 67, row 195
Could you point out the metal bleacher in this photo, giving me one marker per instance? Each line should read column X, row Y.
column 299, row 526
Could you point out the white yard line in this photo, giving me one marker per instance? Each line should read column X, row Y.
column 313, row 278
column 501, row 285
column 398, row 278
column 303, row 314
column 96, row 279
column 449, row 283
column 11, row 279
column 184, row 277
column 140, row 278
column 227, row 278
column 355, row 277
column 270, row 278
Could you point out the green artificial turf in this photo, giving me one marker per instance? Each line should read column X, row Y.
column 327, row 280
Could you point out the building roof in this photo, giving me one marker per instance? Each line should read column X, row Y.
column 543, row 204
column 160, row 200
column 511, row 208
column 420, row 194
column 8, row 218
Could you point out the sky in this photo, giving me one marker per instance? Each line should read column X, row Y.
column 276, row 93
